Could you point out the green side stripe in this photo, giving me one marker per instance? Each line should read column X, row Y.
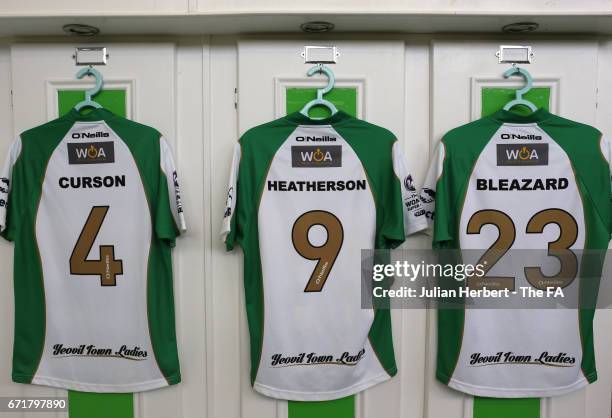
column 494, row 99
column 259, row 145
column 144, row 145
column 386, row 190
column 451, row 191
column 581, row 142
column 345, row 99
column 28, row 176
column 82, row 404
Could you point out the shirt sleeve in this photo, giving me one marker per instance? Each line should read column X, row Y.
column 413, row 213
column 228, row 227
column 7, row 222
column 170, row 219
column 436, row 199
column 427, row 194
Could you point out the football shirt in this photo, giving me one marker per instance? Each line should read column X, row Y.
column 509, row 182
column 305, row 197
column 93, row 206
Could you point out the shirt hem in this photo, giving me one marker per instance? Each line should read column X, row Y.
column 319, row 396
column 97, row 387
column 493, row 392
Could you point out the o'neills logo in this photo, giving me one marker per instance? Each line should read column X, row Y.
column 313, row 359
column 84, row 350
column 522, row 137
column 508, row 357
column 79, row 135
column 91, row 152
column 324, row 138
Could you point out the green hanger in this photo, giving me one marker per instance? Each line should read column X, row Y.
column 519, row 93
column 91, row 92
column 320, row 101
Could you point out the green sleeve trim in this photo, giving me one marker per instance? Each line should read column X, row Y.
column 463, row 146
column 378, row 165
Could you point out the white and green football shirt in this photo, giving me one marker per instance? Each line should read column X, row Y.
column 508, row 182
column 93, row 206
column 305, row 197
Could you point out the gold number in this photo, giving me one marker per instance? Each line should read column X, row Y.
column 560, row 248
column 106, row 267
column 325, row 254
column 505, row 239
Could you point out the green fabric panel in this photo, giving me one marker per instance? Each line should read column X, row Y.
column 452, row 184
column 339, row 408
column 344, row 98
column 94, row 405
column 387, row 191
column 495, row 98
column 144, row 144
column 506, row 408
column 378, row 165
column 581, row 143
column 28, row 174
column 450, row 194
column 259, row 145
column 381, row 339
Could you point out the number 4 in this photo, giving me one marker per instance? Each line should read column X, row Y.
column 106, row 266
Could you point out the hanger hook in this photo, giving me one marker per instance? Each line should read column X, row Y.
column 320, row 68
column 525, row 75
column 98, row 79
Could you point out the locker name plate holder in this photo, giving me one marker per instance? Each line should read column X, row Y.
column 514, row 54
column 90, row 56
column 320, row 54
